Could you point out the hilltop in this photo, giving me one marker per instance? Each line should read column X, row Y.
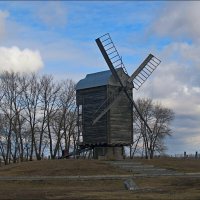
column 155, row 188
column 70, row 167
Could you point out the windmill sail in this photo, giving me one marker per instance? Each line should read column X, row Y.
column 110, row 52
column 100, row 115
column 144, row 71
column 113, row 61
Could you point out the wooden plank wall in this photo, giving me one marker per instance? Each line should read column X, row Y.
column 91, row 100
column 115, row 127
column 120, row 121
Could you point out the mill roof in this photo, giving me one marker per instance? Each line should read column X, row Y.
column 97, row 79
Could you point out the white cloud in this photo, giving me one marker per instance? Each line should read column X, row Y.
column 3, row 16
column 179, row 19
column 176, row 84
column 14, row 59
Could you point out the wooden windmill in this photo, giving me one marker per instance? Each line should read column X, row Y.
column 105, row 102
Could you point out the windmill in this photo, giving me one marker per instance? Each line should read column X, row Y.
column 105, row 102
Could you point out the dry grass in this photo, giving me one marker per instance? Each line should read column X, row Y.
column 179, row 164
column 150, row 188
column 159, row 188
column 59, row 167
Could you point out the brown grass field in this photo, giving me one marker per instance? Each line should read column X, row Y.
column 158, row 188
column 178, row 164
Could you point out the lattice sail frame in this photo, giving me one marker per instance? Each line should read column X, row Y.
column 113, row 61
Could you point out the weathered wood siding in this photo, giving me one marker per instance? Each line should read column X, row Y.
column 91, row 99
column 120, row 120
column 116, row 126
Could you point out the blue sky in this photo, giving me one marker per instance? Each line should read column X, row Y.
column 58, row 37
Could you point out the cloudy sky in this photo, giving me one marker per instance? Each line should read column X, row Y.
column 59, row 38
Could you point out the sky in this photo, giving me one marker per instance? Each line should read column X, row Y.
column 58, row 38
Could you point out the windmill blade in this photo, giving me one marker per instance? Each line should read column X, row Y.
column 137, row 110
column 117, row 99
column 107, row 49
column 107, row 108
column 144, row 71
column 141, row 117
column 110, row 65
column 113, row 60
column 110, row 54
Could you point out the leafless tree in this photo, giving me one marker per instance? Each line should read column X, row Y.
column 47, row 110
column 62, row 125
column 37, row 117
column 158, row 118
column 10, row 109
column 31, row 94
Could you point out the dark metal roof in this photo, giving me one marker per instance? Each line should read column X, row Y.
column 95, row 79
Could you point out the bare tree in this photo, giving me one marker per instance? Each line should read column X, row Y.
column 159, row 119
column 37, row 115
column 67, row 102
column 48, row 100
column 161, row 128
column 62, row 127
column 31, row 94
column 10, row 109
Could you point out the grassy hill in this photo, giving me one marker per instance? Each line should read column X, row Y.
column 178, row 164
column 69, row 167
column 158, row 188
